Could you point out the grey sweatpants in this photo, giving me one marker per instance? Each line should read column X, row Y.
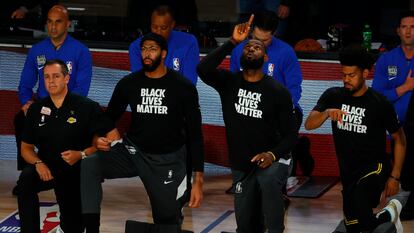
column 258, row 199
column 163, row 175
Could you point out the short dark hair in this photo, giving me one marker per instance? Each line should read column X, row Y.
column 164, row 10
column 355, row 55
column 266, row 21
column 157, row 38
column 405, row 14
column 63, row 67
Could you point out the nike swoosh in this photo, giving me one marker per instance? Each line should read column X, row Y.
column 167, row 182
column 392, row 78
column 42, row 124
column 39, row 68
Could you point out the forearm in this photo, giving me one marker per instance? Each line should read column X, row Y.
column 198, row 178
column 214, row 59
column 401, row 90
column 399, row 153
column 113, row 135
column 315, row 119
column 28, row 153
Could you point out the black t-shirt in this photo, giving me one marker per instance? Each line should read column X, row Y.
column 360, row 140
column 71, row 127
column 259, row 116
column 165, row 114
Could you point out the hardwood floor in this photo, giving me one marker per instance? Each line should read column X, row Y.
column 126, row 199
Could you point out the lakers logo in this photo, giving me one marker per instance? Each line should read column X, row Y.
column 71, row 120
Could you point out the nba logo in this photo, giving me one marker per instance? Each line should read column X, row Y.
column 70, row 66
column 239, row 188
column 176, row 64
column 270, row 69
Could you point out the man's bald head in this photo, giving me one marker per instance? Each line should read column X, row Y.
column 60, row 9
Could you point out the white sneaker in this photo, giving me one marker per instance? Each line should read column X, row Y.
column 394, row 208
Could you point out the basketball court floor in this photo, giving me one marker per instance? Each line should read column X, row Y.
column 126, row 199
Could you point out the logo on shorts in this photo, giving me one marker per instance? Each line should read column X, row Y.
column 170, row 174
column 176, row 64
column 239, row 188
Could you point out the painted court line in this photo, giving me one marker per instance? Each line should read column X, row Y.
column 217, row 221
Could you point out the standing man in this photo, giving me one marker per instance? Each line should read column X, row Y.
column 281, row 8
column 360, row 120
column 260, row 128
column 61, row 126
column 183, row 52
column 394, row 79
column 165, row 130
column 59, row 45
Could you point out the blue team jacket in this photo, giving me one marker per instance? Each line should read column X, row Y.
column 77, row 58
column 391, row 71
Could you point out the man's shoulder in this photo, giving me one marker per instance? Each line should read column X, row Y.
column 280, row 46
column 135, row 43
column 81, row 99
column 182, row 36
column 391, row 55
column 334, row 92
column 238, row 49
column 179, row 78
column 41, row 45
column 377, row 96
column 75, row 43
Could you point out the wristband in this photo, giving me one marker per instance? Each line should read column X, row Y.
column 273, row 155
column 83, row 154
column 395, row 178
column 37, row 162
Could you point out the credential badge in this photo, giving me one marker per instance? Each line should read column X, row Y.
column 45, row 111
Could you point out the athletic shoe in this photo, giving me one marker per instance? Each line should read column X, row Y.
column 394, row 208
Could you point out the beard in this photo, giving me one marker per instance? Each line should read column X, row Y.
column 351, row 90
column 251, row 64
column 153, row 66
